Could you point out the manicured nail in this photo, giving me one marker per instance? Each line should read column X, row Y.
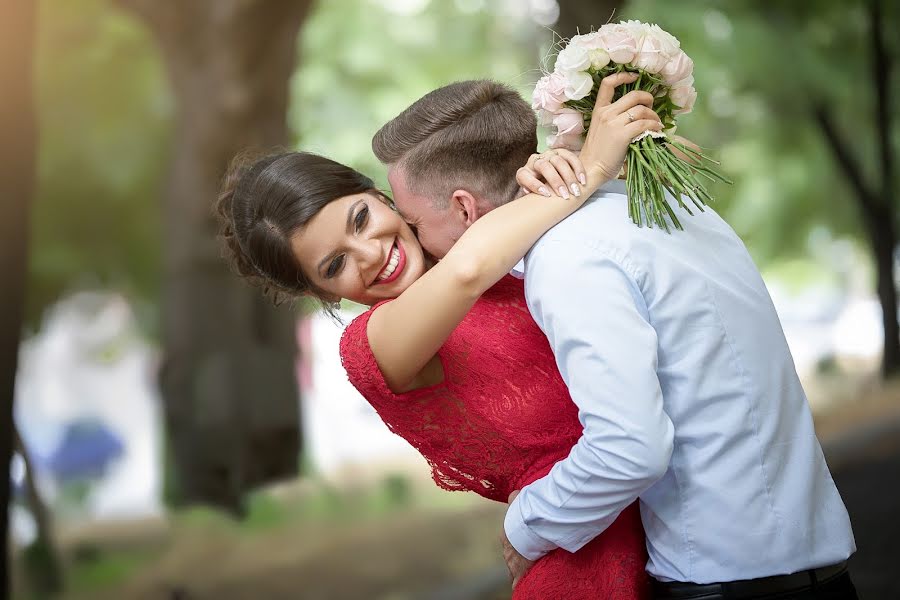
column 582, row 179
column 564, row 192
column 575, row 189
column 544, row 191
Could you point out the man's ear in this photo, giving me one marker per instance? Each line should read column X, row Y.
column 465, row 206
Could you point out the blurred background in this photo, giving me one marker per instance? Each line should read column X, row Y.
column 175, row 436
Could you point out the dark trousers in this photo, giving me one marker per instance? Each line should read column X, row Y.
column 837, row 588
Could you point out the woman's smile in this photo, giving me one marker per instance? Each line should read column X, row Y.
column 394, row 265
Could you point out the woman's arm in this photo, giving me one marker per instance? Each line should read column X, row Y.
column 405, row 334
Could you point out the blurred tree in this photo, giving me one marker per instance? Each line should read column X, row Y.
column 763, row 76
column 875, row 200
column 42, row 559
column 230, row 395
column 18, row 147
column 581, row 16
column 105, row 118
column 350, row 83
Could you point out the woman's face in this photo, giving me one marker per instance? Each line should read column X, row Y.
column 358, row 248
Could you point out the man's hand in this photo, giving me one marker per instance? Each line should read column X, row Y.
column 517, row 564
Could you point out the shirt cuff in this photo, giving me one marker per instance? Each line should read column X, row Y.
column 526, row 542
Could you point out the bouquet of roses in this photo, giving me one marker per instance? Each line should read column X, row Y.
column 566, row 97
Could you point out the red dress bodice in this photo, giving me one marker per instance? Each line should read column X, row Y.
column 500, row 419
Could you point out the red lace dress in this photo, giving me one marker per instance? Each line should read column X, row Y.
column 499, row 420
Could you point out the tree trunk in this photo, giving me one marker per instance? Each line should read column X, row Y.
column 581, row 16
column 18, row 146
column 885, row 238
column 876, row 203
column 229, row 391
column 42, row 558
column 884, row 242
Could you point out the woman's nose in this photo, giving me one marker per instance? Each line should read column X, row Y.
column 370, row 254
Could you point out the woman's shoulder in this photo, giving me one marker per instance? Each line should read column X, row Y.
column 354, row 345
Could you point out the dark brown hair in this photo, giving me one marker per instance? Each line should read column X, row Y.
column 471, row 135
column 264, row 201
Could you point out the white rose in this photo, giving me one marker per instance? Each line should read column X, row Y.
column 637, row 30
column 573, row 58
column 599, row 58
column 578, row 85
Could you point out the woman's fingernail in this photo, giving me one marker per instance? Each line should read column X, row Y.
column 563, row 191
column 575, row 189
column 582, row 179
column 544, row 191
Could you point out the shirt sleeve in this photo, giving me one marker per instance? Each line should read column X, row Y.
column 588, row 303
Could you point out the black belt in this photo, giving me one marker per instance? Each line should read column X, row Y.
column 749, row 588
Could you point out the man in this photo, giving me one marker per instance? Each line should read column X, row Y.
column 674, row 355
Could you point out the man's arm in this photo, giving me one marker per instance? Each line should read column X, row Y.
column 589, row 305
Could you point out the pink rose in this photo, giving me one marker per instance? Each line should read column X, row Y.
column 650, row 55
column 549, row 93
column 679, row 67
column 589, row 41
column 569, row 142
column 683, row 97
column 618, row 42
column 670, row 44
column 569, row 122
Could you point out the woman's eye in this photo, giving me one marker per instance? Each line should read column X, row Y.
column 361, row 217
column 335, row 266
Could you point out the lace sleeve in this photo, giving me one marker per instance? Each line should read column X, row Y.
column 362, row 369
column 422, row 417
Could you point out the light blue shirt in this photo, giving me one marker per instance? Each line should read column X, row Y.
column 674, row 355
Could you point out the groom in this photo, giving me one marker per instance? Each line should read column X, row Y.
column 674, row 355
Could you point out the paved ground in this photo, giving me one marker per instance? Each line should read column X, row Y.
column 871, row 491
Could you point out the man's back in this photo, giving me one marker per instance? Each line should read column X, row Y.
column 747, row 493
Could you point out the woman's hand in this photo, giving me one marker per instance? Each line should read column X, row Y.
column 615, row 124
column 560, row 170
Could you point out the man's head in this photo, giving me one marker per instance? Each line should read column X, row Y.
column 452, row 156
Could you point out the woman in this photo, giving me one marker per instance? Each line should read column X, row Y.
column 425, row 355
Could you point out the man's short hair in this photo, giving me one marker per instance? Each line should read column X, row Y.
column 470, row 135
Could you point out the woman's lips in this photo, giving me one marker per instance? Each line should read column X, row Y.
column 401, row 263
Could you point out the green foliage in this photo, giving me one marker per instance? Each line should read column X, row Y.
column 758, row 70
column 361, row 64
column 104, row 570
column 106, row 113
column 105, row 116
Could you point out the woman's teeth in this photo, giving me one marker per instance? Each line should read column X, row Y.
column 392, row 264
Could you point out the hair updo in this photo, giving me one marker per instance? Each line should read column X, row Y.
column 264, row 201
